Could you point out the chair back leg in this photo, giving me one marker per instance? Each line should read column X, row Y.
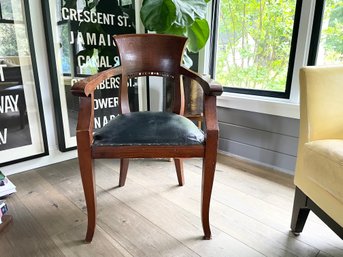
column 124, row 165
column 179, row 171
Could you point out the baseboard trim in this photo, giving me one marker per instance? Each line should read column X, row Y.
column 257, row 169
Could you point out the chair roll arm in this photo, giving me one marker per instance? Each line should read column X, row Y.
column 86, row 86
column 209, row 86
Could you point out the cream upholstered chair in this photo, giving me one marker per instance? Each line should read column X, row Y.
column 319, row 168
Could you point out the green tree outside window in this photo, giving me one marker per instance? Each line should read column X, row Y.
column 254, row 43
column 331, row 39
column 255, row 39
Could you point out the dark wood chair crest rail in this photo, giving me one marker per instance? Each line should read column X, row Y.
column 148, row 55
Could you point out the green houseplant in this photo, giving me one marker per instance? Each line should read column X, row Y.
column 178, row 17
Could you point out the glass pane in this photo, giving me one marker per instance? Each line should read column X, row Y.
column 21, row 133
column 6, row 10
column 331, row 40
column 254, row 43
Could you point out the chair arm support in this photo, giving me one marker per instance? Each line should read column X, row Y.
column 85, row 122
column 209, row 86
column 210, row 115
column 86, row 86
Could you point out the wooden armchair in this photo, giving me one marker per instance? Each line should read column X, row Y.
column 147, row 134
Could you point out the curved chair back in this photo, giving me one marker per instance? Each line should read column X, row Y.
column 137, row 56
column 151, row 55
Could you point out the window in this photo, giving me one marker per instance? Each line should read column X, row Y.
column 327, row 35
column 255, row 45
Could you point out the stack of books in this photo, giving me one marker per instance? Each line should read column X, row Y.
column 3, row 209
column 4, row 219
column 6, row 186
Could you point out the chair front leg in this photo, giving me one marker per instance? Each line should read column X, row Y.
column 300, row 212
column 86, row 164
column 208, row 169
column 209, row 165
column 209, row 161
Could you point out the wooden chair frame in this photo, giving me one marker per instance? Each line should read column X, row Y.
column 87, row 152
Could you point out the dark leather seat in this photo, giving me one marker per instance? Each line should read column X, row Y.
column 149, row 128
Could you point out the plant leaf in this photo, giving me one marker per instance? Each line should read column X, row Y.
column 188, row 11
column 176, row 30
column 86, row 52
column 93, row 4
column 158, row 15
column 198, row 34
column 69, row 4
column 187, row 61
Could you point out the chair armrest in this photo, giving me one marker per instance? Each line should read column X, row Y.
column 209, row 86
column 86, row 86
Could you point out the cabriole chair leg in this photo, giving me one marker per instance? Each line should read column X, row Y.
column 209, row 165
column 88, row 182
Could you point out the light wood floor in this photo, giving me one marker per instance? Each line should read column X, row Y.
column 152, row 216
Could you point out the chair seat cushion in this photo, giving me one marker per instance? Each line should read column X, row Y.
column 323, row 165
column 148, row 128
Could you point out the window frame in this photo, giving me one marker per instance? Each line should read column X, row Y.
column 269, row 105
column 291, row 64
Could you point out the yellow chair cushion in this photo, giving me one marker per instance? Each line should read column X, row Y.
column 323, row 165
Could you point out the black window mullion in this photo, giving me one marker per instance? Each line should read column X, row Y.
column 316, row 31
column 213, row 37
column 0, row 12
